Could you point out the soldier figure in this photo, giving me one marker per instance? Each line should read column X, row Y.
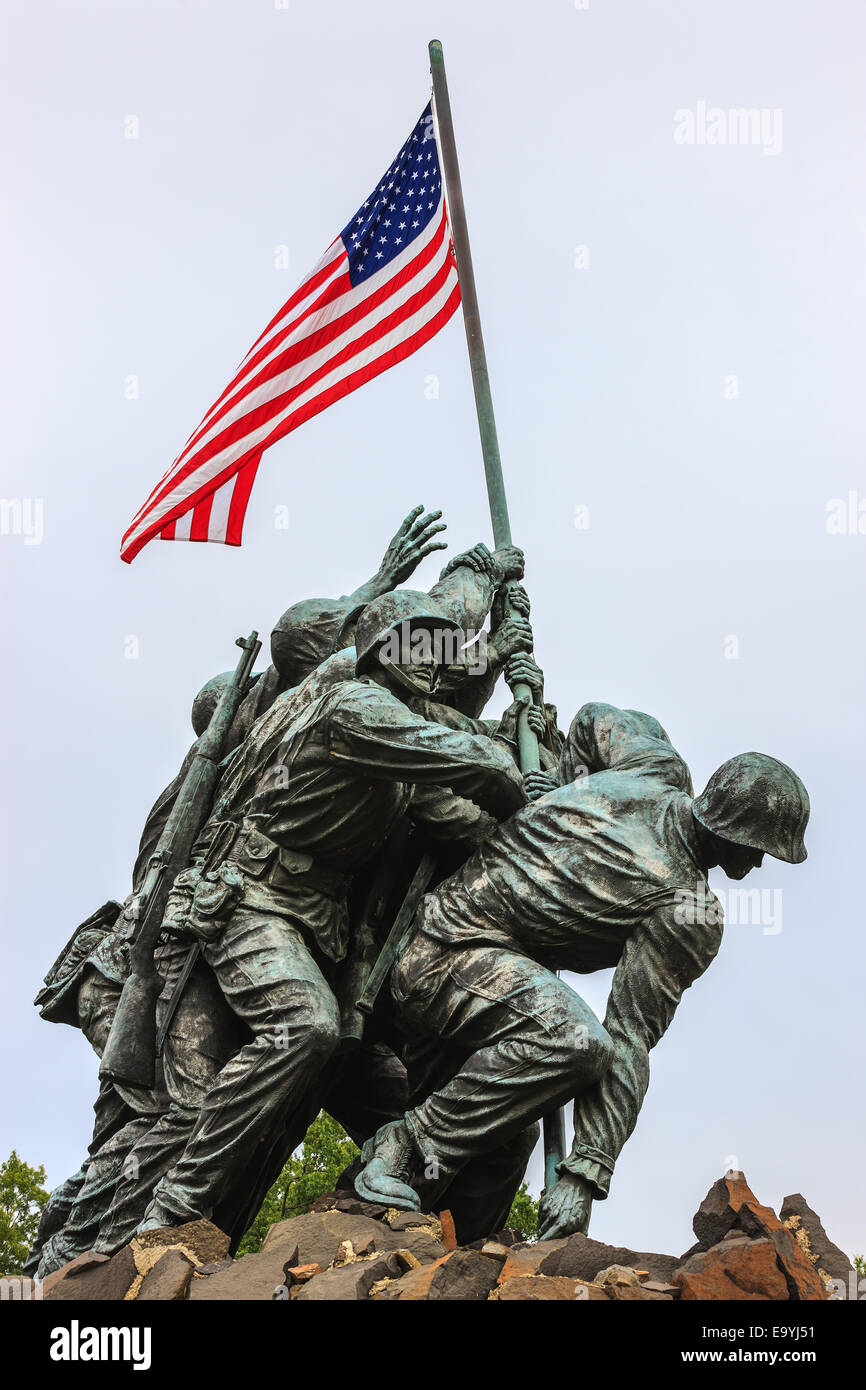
column 608, row 870
column 84, row 984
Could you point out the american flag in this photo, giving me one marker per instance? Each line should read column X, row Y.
column 383, row 288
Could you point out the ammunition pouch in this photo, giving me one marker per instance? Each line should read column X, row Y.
column 201, row 900
column 204, row 896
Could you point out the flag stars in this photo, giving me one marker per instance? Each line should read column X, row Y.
column 378, row 236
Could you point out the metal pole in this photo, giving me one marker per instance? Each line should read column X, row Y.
column 554, row 1124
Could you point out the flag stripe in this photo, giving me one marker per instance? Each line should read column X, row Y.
column 383, row 288
column 314, row 399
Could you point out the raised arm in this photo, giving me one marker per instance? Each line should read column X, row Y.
column 406, row 549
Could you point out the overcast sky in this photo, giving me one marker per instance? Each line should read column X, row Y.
column 675, row 333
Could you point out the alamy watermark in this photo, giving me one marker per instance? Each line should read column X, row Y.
column 24, row 517
column 760, row 126
column 738, row 907
column 411, row 645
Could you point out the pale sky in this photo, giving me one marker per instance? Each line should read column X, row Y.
column 676, row 344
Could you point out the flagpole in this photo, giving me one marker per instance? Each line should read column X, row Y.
column 554, row 1124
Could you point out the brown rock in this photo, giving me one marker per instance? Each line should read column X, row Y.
column 351, row 1282
column 807, row 1230
column 99, row 1282
column 634, row 1293
column 302, row 1274
column 202, row 1241
column 318, row 1236
column 167, row 1281
column 734, row 1269
column 617, row 1275
column 494, row 1251
column 579, row 1257
column 251, row 1279
column 85, row 1261
column 536, row 1288
column 353, row 1206
column 449, row 1234
column 412, row 1220
column 731, row 1206
column 524, row 1260
column 461, row 1274
column 201, row 1271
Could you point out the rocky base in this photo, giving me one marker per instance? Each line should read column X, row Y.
column 345, row 1249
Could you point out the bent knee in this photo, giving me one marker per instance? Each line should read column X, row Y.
column 308, row 1027
column 590, row 1052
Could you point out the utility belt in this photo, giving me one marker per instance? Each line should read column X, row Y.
column 240, row 857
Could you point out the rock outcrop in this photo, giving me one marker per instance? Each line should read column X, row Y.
column 349, row 1250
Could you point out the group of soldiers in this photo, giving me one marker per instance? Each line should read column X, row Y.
column 358, row 773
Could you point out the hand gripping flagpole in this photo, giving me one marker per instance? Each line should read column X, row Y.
column 554, row 1124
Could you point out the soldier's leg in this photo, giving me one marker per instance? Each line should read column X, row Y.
column 523, row 1040
column 54, row 1216
column 370, row 1089
column 481, row 1195
column 96, row 1005
column 80, row 1230
column 271, row 981
column 204, row 1034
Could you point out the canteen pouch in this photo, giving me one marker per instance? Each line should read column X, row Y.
column 213, row 897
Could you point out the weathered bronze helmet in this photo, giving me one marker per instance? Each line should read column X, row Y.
column 207, row 699
column 388, row 614
column 303, row 633
column 755, row 800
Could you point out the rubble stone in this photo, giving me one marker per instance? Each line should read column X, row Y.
column 81, row 1262
column 98, row 1282
column 460, row 1274
column 201, row 1241
column 167, row 1281
column 350, row 1282
column 538, row 1288
column 807, row 1230
column 734, row 1269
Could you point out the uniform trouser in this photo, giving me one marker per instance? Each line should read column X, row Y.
column 70, row 1221
column 512, row 1039
column 203, row 1034
column 480, row 1196
column 270, row 980
column 136, row 1134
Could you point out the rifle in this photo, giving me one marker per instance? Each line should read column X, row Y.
column 130, row 1053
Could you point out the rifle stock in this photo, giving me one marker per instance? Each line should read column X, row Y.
column 130, row 1052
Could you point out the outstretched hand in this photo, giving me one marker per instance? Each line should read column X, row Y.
column 409, row 546
column 565, row 1208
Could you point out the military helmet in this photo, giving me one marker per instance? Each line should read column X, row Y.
column 305, row 634
column 755, row 800
column 388, row 613
column 207, row 700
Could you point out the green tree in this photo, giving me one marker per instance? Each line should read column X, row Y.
column 314, row 1169
column 22, row 1198
column 860, row 1264
column 311, row 1170
column 523, row 1217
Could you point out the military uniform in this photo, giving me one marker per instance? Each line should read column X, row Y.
column 283, row 887
column 272, row 914
column 598, row 873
